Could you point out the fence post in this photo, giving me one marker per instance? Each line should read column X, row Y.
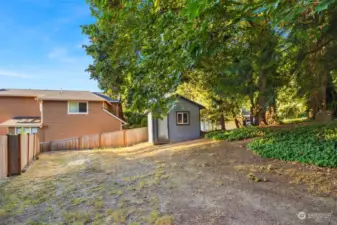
column 33, row 146
column 79, row 142
column 19, row 154
column 8, row 155
column 50, row 146
column 27, row 149
column 100, row 140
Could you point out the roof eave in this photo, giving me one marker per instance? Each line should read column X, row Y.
column 21, row 125
column 193, row 102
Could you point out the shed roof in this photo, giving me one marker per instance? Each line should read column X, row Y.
column 186, row 99
column 22, row 122
column 56, row 95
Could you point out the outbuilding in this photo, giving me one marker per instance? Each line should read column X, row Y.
column 182, row 123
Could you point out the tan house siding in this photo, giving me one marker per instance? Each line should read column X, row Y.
column 17, row 106
column 58, row 124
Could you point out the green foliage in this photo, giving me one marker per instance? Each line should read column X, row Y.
column 237, row 51
column 309, row 144
column 135, row 120
column 289, row 104
column 139, row 50
column 238, row 134
column 295, row 120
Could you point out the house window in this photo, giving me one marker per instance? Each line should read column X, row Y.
column 77, row 107
column 183, row 118
column 26, row 130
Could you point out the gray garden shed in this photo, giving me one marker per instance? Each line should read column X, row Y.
column 182, row 123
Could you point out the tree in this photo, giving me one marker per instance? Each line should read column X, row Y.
column 237, row 51
column 138, row 50
column 311, row 30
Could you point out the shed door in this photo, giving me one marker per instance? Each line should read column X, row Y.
column 163, row 130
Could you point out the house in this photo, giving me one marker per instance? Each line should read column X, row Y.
column 58, row 114
column 182, row 123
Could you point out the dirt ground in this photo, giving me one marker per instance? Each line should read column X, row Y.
column 196, row 182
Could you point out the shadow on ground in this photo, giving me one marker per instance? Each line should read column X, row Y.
column 196, row 182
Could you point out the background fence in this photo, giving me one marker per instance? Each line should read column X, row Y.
column 16, row 152
column 104, row 140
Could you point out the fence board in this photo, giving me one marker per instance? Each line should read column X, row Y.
column 67, row 144
column 45, row 147
column 3, row 157
column 104, row 140
column 90, row 141
column 14, row 159
column 31, row 147
column 37, row 145
column 113, row 139
column 135, row 136
column 24, row 150
column 16, row 151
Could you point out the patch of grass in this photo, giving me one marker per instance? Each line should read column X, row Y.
column 154, row 215
column 310, row 144
column 77, row 201
column 135, row 223
column 121, row 203
column 77, row 217
column 3, row 212
column 99, row 203
column 98, row 219
column 14, row 200
column 119, row 215
column 117, row 192
column 238, row 134
column 49, row 209
column 154, row 201
column 141, row 185
column 32, row 222
column 165, row 220
column 97, row 189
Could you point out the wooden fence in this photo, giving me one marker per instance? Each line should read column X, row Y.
column 104, row 140
column 16, row 152
column 3, row 157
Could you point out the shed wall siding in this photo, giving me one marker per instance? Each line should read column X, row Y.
column 58, row 124
column 17, row 106
column 184, row 132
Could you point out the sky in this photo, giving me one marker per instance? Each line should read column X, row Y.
column 41, row 45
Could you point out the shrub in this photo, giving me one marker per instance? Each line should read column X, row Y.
column 212, row 134
column 238, row 134
column 311, row 144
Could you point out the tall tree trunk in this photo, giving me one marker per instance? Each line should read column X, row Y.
column 253, row 115
column 262, row 84
column 271, row 116
column 323, row 90
column 222, row 122
column 237, row 122
column 314, row 104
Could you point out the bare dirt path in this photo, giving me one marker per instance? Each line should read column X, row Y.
column 197, row 182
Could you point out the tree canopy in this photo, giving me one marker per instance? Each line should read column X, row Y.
column 238, row 52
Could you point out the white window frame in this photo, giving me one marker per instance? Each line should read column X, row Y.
column 77, row 113
column 182, row 118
